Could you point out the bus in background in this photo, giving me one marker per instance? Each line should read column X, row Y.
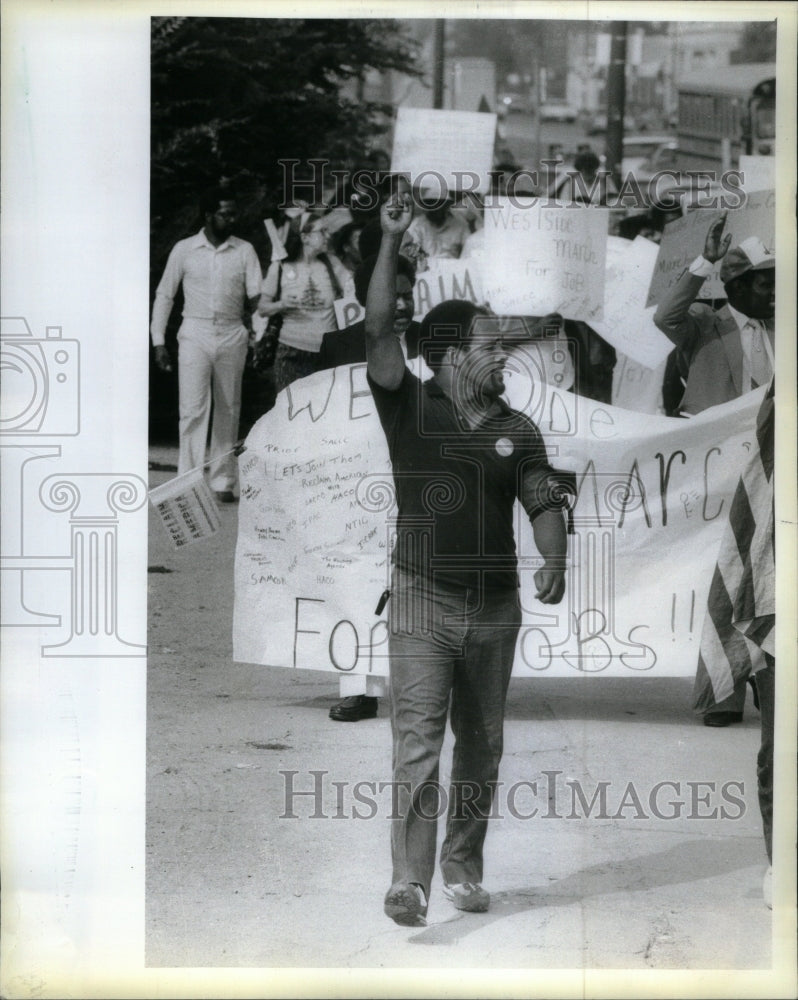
column 726, row 112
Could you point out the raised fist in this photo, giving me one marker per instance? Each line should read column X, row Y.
column 396, row 213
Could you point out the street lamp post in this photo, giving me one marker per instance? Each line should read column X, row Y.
column 539, row 98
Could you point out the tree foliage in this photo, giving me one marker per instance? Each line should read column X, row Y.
column 231, row 97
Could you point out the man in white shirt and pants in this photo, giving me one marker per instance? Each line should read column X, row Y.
column 221, row 278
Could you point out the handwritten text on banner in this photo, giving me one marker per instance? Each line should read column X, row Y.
column 316, row 525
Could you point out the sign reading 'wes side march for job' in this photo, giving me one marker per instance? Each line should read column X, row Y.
column 541, row 259
column 317, row 518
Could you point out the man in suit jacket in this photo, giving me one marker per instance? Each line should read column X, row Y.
column 348, row 346
column 360, row 694
column 726, row 351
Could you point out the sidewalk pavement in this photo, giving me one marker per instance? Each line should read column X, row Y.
column 243, row 873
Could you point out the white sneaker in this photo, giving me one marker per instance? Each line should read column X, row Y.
column 467, row 896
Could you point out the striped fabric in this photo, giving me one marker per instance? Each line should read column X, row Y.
column 739, row 624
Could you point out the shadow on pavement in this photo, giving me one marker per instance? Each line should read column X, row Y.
column 637, row 874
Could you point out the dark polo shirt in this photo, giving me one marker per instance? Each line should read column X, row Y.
column 456, row 486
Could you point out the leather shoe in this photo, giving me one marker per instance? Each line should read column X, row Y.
column 355, row 708
column 722, row 718
column 406, row 904
column 225, row 496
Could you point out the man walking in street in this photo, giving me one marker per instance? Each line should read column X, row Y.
column 460, row 457
column 360, row 693
column 221, row 279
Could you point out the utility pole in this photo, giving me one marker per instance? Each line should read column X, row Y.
column 616, row 99
column 438, row 62
column 538, row 69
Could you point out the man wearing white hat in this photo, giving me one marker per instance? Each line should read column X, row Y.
column 726, row 352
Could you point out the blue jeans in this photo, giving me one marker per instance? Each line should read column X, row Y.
column 445, row 644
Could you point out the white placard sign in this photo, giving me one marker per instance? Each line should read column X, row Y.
column 429, row 145
column 316, row 526
column 684, row 238
column 348, row 311
column 627, row 324
column 759, row 172
column 541, row 259
column 445, row 279
column 637, row 387
column 186, row 508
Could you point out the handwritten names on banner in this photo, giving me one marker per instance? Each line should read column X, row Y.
column 627, row 324
column 453, row 147
column 540, row 259
column 316, row 524
column 684, row 238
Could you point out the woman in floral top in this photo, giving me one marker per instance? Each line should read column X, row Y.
column 302, row 289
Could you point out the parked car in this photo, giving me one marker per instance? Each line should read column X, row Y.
column 597, row 123
column 665, row 156
column 511, row 101
column 662, row 181
column 556, row 111
column 655, row 151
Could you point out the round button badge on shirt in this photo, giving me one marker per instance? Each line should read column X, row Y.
column 505, row 447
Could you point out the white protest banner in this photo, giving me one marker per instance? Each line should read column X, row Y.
column 316, row 524
column 186, row 508
column 684, row 238
column 627, row 324
column 544, row 359
column 759, row 172
column 436, row 149
column 541, row 259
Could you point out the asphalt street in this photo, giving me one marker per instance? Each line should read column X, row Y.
column 628, row 835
